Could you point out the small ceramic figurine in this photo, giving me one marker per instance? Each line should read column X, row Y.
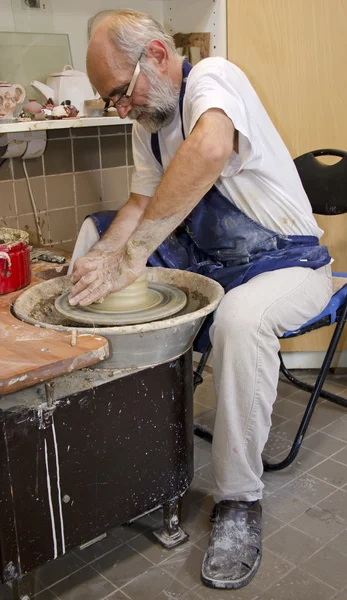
column 33, row 111
column 10, row 96
column 71, row 110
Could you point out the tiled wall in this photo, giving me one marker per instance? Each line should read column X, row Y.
column 81, row 171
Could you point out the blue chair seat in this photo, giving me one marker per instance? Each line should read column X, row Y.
column 327, row 316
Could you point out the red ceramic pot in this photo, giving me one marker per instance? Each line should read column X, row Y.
column 14, row 260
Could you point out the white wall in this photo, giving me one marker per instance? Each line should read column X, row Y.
column 66, row 16
column 71, row 17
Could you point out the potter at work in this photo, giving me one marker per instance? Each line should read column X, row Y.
column 215, row 191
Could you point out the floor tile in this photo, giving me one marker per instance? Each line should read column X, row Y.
column 279, row 479
column 292, row 545
column 272, row 568
column 58, row 569
column 284, row 506
column 205, row 472
column 329, row 565
column 320, row 524
column 121, row 565
column 336, row 504
column 286, row 408
column 341, row 596
column 276, row 420
column 190, row 595
column 185, row 565
column 138, row 527
column 117, row 595
column 275, row 445
column 98, row 549
column 288, row 430
column 284, row 388
column 340, row 542
column 325, row 417
column 207, row 420
column 309, row 488
column 305, row 460
column 342, row 455
column 270, row 524
column 323, row 444
column 147, row 546
column 199, row 409
column 202, row 456
column 250, row 592
column 331, row 472
column 205, row 393
column 86, row 584
column 152, row 584
column 195, row 522
column 299, row 585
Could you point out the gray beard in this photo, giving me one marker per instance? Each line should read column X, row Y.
column 162, row 102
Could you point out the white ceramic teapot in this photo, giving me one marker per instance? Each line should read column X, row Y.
column 10, row 96
column 68, row 85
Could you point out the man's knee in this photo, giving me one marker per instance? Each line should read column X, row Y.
column 237, row 315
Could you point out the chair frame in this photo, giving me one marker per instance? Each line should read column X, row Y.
column 315, row 390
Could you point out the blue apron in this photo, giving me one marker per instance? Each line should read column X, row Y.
column 219, row 241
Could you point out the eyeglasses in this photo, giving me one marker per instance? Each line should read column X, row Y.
column 125, row 98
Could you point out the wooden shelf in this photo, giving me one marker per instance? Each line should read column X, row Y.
column 15, row 126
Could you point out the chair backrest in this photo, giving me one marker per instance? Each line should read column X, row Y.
column 325, row 185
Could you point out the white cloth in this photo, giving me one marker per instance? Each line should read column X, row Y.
column 261, row 179
column 245, row 334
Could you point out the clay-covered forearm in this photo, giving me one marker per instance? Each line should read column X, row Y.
column 124, row 224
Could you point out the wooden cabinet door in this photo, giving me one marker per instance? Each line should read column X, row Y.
column 294, row 53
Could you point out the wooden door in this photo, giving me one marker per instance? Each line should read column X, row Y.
column 294, row 53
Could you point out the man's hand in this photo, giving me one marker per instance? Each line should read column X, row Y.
column 101, row 272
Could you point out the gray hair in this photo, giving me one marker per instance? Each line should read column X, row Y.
column 131, row 31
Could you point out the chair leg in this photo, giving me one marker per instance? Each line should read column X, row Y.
column 308, row 387
column 199, row 430
column 198, row 379
column 313, row 399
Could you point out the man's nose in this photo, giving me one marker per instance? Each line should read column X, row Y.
column 123, row 110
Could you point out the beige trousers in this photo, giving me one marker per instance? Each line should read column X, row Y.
column 245, row 333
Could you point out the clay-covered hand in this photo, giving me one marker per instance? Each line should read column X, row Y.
column 101, row 272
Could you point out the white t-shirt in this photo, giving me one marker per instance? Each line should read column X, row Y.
column 261, row 180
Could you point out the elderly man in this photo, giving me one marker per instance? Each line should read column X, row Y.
column 214, row 191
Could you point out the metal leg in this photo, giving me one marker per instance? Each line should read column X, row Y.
column 171, row 534
column 309, row 388
column 313, row 399
column 198, row 379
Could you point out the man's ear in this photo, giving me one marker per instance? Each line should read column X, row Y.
column 158, row 53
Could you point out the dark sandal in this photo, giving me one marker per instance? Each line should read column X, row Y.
column 234, row 552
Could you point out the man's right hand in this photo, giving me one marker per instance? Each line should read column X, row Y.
column 101, row 272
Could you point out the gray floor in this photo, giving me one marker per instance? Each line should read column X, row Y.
column 305, row 524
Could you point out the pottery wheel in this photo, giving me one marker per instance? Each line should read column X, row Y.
column 162, row 301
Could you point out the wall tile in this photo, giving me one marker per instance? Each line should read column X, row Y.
column 88, row 187
column 7, row 205
column 60, row 191
column 111, row 129
column 113, row 151
column 130, row 151
column 62, row 224
column 34, row 167
column 84, row 132
column 58, row 157
column 5, row 170
column 115, row 186
column 57, row 134
column 84, row 211
column 86, row 154
column 24, row 205
column 27, row 223
column 9, row 222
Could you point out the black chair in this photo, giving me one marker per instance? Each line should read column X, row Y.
column 326, row 188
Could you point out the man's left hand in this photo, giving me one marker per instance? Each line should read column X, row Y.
column 101, row 272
